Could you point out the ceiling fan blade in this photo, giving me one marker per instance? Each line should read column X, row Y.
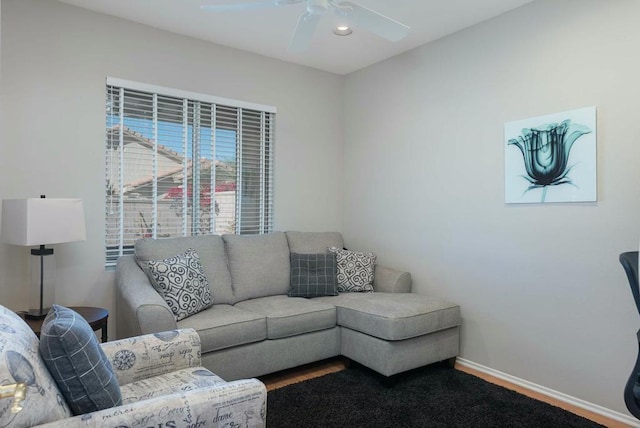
column 376, row 23
column 239, row 6
column 301, row 38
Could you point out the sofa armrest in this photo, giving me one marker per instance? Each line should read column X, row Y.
column 139, row 307
column 390, row 280
column 233, row 404
column 142, row 357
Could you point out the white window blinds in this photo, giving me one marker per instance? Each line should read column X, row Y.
column 183, row 164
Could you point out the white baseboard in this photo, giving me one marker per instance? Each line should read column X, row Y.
column 595, row 408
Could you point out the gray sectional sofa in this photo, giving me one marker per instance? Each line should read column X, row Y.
column 254, row 328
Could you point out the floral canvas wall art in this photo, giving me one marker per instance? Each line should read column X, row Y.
column 551, row 158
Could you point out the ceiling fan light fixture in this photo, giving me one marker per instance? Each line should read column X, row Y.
column 346, row 12
column 342, row 30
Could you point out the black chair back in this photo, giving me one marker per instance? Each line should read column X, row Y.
column 629, row 261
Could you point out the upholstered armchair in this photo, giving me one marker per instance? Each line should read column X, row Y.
column 160, row 381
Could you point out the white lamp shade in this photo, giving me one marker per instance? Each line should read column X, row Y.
column 42, row 221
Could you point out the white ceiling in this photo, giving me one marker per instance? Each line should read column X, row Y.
column 267, row 31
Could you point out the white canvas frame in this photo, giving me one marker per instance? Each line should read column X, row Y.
column 575, row 183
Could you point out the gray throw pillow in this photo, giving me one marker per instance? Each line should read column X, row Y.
column 181, row 281
column 77, row 363
column 355, row 270
column 313, row 275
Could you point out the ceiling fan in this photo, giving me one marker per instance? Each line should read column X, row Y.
column 353, row 13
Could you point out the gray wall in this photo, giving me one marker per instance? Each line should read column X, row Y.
column 55, row 59
column 543, row 296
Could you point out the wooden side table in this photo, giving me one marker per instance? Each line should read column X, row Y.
column 96, row 318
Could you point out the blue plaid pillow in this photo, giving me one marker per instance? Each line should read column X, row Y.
column 313, row 275
column 77, row 363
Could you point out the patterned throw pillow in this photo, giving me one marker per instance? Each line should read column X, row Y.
column 77, row 363
column 355, row 270
column 20, row 362
column 313, row 275
column 182, row 283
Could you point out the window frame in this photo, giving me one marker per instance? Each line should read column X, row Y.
column 261, row 117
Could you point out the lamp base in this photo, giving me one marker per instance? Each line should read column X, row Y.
column 36, row 314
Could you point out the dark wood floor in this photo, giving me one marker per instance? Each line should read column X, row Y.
column 310, row 371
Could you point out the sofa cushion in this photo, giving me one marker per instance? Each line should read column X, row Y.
column 394, row 316
column 21, row 362
column 180, row 280
column 212, row 254
column 355, row 270
column 76, row 361
column 290, row 316
column 224, row 326
column 313, row 275
column 170, row 383
column 259, row 264
column 313, row 242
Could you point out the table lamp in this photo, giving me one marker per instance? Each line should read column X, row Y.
column 42, row 221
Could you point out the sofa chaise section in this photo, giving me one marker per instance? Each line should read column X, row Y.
column 395, row 332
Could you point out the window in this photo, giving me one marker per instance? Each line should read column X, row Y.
column 184, row 164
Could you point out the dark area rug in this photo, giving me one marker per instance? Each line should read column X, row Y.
column 432, row 396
